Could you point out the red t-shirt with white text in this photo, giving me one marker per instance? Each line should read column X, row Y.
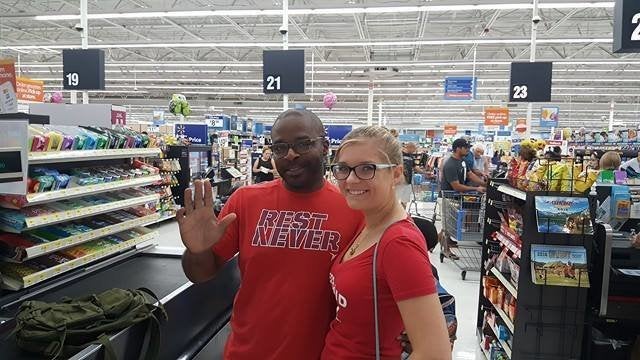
column 286, row 243
column 403, row 272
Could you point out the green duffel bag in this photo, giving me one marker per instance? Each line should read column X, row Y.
column 60, row 330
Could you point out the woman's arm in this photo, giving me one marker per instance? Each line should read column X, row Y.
column 255, row 166
column 275, row 170
column 425, row 324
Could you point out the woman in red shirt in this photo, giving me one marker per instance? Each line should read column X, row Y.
column 368, row 167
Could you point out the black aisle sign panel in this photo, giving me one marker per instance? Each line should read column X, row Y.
column 283, row 71
column 83, row 69
column 530, row 82
column 626, row 26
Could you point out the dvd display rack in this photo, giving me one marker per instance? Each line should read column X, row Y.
column 46, row 235
column 517, row 318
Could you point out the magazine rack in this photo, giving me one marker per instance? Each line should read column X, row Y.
column 549, row 320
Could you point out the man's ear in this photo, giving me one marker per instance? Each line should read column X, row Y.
column 325, row 147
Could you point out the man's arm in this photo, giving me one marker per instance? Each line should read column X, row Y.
column 464, row 188
column 201, row 267
column 475, row 178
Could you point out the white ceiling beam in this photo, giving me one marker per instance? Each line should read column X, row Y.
column 12, row 28
column 552, row 29
column 365, row 49
column 304, row 35
column 239, row 28
column 127, row 30
column 424, row 17
column 184, row 29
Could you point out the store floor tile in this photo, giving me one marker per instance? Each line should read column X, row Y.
column 465, row 292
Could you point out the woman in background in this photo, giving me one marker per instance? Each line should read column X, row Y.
column 264, row 167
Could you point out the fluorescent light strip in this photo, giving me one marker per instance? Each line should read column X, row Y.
column 347, row 11
column 342, row 64
column 479, row 41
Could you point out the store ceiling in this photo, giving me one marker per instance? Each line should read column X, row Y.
column 211, row 51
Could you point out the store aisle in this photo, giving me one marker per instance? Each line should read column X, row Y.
column 465, row 292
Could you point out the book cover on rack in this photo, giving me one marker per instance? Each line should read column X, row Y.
column 563, row 215
column 559, row 265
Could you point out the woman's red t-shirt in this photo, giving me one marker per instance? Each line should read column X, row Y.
column 403, row 272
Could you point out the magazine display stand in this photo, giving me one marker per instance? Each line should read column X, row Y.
column 516, row 317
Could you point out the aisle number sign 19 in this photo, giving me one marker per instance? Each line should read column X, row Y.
column 283, row 72
column 626, row 26
column 530, row 82
column 83, row 69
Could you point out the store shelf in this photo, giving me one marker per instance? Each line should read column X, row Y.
column 505, row 282
column 509, row 244
column 49, row 157
column 503, row 343
column 505, row 318
column 64, row 216
column 79, row 191
column 484, row 352
column 159, row 219
column 30, row 280
column 518, row 194
column 53, row 246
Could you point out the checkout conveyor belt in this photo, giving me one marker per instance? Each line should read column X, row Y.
column 197, row 312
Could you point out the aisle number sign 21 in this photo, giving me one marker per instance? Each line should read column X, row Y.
column 626, row 26
column 283, row 72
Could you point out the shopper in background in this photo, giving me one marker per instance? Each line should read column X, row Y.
column 495, row 160
column 480, row 162
column 286, row 233
column 265, row 167
column 404, row 190
column 368, row 167
column 455, row 172
column 632, row 167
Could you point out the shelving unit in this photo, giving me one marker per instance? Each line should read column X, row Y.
column 32, row 279
column 549, row 320
column 27, row 257
column 79, row 191
column 51, row 157
column 28, row 253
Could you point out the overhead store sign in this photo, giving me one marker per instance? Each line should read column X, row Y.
column 549, row 116
column 283, row 71
column 415, row 138
column 197, row 134
column 8, row 98
column 626, row 26
column 83, row 69
column 335, row 133
column 460, row 88
column 29, row 89
column 450, row 129
column 530, row 82
column 496, row 116
column 214, row 121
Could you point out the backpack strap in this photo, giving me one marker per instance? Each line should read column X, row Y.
column 160, row 306
column 151, row 339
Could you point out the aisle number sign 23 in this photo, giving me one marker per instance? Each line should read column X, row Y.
column 530, row 82
column 626, row 26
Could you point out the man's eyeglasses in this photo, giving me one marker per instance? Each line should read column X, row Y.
column 299, row 147
column 362, row 171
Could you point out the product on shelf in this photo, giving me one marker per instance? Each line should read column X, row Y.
column 559, row 265
column 44, row 138
column 561, row 214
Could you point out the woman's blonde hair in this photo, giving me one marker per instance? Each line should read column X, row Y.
column 610, row 161
column 388, row 145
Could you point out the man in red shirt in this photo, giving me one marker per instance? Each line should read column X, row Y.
column 286, row 233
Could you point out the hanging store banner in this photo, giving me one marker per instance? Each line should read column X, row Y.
column 460, row 87
column 83, row 69
column 214, row 121
column 496, row 116
column 158, row 117
column 29, row 89
column 197, row 134
column 626, row 26
column 8, row 97
column 549, row 116
column 450, row 129
column 335, row 133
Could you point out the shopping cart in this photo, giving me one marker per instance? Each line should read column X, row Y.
column 462, row 222
column 424, row 196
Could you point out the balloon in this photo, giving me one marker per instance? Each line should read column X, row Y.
column 57, row 98
column 329, row 100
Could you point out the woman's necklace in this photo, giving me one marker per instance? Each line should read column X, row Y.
column 355, row 246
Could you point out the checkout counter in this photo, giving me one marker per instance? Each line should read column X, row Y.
column 197, row 327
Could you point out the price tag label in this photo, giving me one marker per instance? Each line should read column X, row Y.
column 626, row 26
column 530, row 82
column 283, row 72
column 83, row 69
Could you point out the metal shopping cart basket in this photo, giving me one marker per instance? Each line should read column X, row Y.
column 462, row 222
